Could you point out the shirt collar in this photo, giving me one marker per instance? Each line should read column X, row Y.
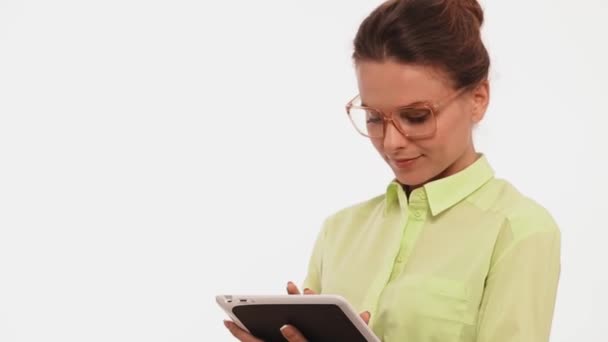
column 444, row 193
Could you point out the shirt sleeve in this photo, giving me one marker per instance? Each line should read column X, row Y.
column 313, row 277
column 520, row 292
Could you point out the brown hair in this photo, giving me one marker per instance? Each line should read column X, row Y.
column 438, row 33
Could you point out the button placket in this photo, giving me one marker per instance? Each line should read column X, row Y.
column 415, row 213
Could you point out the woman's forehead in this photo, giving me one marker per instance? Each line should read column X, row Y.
column 390, row 84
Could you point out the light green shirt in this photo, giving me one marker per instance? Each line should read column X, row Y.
column 465, row 258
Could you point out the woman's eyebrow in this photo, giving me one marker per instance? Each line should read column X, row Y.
column 399, row 106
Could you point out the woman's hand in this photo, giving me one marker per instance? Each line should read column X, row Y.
column 289, row 332
column 239, row 333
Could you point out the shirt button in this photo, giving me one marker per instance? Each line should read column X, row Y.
column 399, row 260
column 417, row 214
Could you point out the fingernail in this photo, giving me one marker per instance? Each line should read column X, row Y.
column 286, row 332
column 226, row 324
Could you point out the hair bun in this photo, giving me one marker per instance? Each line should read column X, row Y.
column 472, row 6
column 440, row 33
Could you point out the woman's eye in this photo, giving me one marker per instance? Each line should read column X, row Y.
column 415, row 116
column 373, row 118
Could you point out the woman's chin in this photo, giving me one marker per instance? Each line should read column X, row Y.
column 413, row 178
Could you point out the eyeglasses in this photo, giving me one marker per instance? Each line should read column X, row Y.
column 415, row 121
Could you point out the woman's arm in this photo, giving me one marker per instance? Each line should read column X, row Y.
column 520, row 292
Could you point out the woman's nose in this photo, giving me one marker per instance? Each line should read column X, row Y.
column 393, row 138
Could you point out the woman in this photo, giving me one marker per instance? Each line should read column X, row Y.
column 449, row 252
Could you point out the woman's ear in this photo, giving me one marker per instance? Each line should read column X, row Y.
column 481, row 100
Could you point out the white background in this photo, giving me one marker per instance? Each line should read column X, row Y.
column 154, row 154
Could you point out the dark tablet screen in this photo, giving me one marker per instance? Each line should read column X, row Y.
column 317, row 322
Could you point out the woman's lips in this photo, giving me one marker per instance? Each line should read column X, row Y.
column 404, row 163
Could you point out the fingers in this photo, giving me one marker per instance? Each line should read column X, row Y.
column 292, row 289
column 289, row 332
column 309, row 292
column 292, row 334
column 366, row 316
column 239, row 333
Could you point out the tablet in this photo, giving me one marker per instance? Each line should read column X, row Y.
column 320, row 318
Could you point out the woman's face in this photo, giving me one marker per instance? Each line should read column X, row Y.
column 388, row 85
